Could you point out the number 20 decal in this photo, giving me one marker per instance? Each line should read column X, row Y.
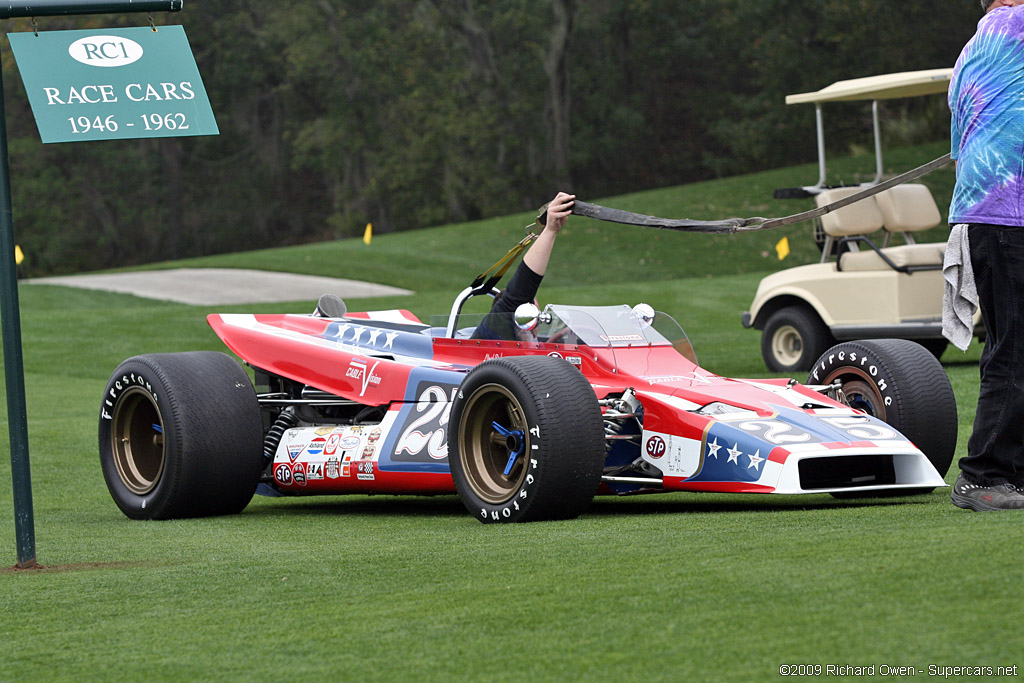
column 862, row 428
column 775, row 431
column 436, row 406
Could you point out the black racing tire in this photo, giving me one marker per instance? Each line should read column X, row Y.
column 936, row 347
column 793, row 337
column 180, row 435
column 901, row 383
column 555, row 424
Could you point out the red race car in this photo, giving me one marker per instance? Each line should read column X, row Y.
column 573, row 402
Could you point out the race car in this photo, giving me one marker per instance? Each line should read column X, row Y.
column 575, row 401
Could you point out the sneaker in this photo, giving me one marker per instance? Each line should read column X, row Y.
column 986, row 498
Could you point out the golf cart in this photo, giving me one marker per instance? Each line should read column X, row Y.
column 866, row 285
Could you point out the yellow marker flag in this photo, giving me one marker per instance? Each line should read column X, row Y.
column 368, row 233
column 19, row 255
column 782, row 248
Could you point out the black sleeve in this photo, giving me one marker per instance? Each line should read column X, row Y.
column 521, row 289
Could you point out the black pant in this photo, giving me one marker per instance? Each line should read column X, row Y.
column 995, row 451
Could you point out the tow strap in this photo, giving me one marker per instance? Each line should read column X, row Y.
column 731, row 225
column 494, row 274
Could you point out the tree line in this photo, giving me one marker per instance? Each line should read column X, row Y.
column 409, row 113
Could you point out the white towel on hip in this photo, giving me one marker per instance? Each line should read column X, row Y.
column 959, row 294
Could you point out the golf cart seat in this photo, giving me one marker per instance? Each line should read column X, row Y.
column 850, row 222
column 905, row 209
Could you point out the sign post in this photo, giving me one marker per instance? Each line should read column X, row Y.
column 10, row 314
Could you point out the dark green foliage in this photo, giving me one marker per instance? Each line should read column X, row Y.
column 408, row 113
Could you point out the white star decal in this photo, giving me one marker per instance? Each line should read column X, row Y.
column 755, row 460
column 373, row 337
column 390, row 339
column 713, row 448
column 342, row 329
column 357, row 334
column 734, row 454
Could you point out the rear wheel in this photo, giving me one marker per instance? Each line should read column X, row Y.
column 180, row 435
column 528, row 441
column 936, row 347
column 901, row 383
column 793, row 338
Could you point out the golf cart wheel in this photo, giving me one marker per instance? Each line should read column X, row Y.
column 793, row 338
column 527, row 441
column 901, row 383
column 180, row 435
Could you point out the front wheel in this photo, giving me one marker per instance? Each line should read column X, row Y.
column 528, row 440
column 180, row 435
column 899, row 382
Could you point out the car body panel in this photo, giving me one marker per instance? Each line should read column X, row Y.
column 700, row 431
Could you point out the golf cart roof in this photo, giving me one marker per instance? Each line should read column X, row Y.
column 873, row 89
column 884, row 87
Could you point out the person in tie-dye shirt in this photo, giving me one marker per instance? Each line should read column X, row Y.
column 986, row 98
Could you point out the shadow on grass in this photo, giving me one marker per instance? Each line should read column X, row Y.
column 714, row 504
column 361, row 505
column 449, row 506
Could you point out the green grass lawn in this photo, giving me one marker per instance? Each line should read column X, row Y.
column 671, row 587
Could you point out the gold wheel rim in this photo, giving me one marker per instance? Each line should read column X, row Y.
column 137, row 441
column 484, row 452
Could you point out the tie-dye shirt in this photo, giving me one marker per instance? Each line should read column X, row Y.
column 986, row 98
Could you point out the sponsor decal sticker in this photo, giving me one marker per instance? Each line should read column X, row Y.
column 359, row 369
column 294, row 449
column 621, row 337
column 332, row 468
column 656, row 447
column 365, row 471
column 316, row 446
column 283, row 474
column 314, row 470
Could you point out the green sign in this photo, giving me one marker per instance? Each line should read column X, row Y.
column 113, row 84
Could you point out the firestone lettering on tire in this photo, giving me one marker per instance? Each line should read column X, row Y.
column 861, row 361
column 121, row 385
column 513, row 504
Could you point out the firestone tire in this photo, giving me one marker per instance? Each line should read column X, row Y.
column 901, row 383
column 527, row 440
column 793, row 338
column 180, row 435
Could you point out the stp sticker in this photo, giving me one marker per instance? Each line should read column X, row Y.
column 283, row 474
column 656, row 447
